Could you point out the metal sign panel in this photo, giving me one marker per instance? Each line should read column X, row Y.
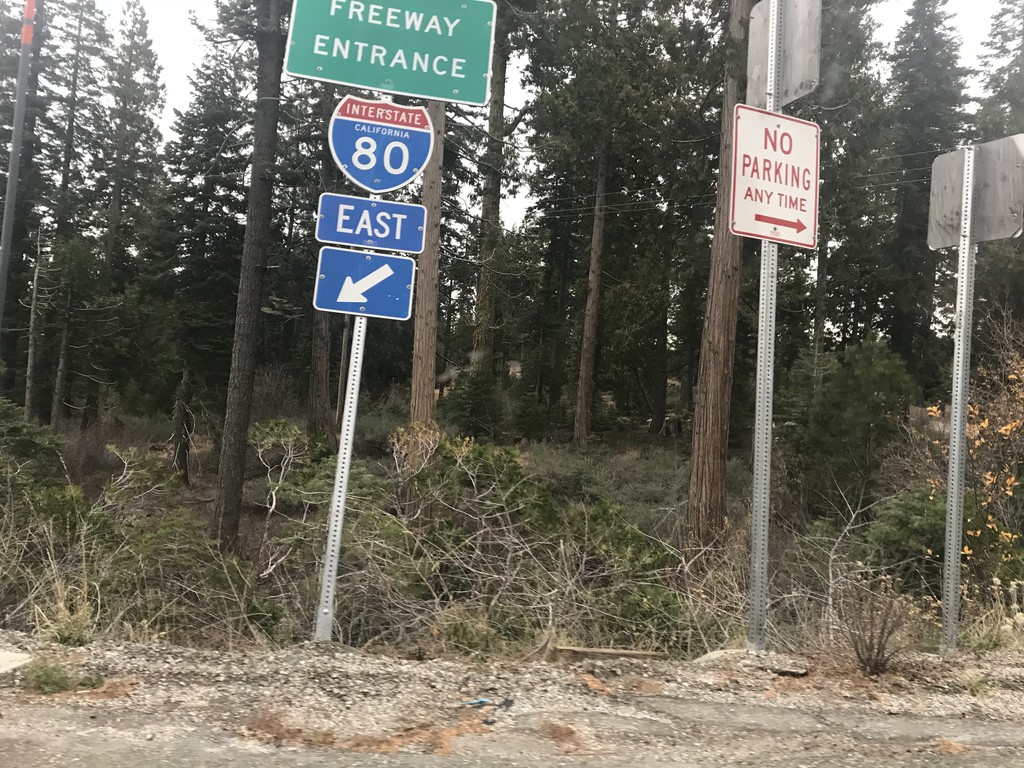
column 775, row 178
column 801, row 51
column 364, row 284
column 376, row 224
column 380, row 146
column 431, row 49
column 998, row 194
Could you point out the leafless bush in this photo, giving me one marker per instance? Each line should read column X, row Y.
column 876, row 619
column 274, row 394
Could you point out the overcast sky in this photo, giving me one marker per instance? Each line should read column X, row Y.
column 180, row 47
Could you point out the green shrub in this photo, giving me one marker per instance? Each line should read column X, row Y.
column 840, row 409
column 50, row 676
column 908, row 535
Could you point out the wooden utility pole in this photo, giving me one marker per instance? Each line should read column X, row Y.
column 588, row 354
column 713, row 401
column 424, row 354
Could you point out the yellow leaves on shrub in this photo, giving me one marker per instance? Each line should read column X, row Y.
column 1009, row 428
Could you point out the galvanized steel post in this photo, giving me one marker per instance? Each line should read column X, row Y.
column 765, row 380
column 958, row 412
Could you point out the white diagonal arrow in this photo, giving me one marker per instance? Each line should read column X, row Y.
column 352, row 293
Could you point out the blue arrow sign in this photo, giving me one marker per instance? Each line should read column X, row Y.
column 379, row 145
column 377, row 224
column 364, row 284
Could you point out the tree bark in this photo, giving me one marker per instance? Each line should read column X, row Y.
column 490, row 235
column 270, row 46
column 588, row 353
column 712, row 408
column 424, row 354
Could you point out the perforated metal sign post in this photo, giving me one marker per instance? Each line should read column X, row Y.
column 958, row 412
column 431, row 49
column 365, row 285
column 977, row 196
column 773, row 187
column 336, row 526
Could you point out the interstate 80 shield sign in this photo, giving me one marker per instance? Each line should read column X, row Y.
column 380, row 146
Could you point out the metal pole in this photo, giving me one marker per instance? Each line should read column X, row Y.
column 325, row 615
column 765, row 381
column 17, row 138
column 958, row 413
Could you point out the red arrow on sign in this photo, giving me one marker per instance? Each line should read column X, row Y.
column 798, row 225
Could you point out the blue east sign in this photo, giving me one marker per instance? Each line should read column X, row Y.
column 364, row 284
column 376, row 224
column 380, row 146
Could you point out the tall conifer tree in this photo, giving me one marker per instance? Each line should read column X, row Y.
column 929, row 117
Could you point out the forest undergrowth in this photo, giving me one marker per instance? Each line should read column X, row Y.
column 455, row 546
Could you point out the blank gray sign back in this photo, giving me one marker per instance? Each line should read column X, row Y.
column 998, row 194
column 801, row 51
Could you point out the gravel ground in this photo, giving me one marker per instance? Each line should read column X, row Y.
column 312, row 704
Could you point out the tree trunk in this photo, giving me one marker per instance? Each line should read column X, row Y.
column 61, row 378
column 270, row 46
column 346, row 348
column 318, row 418
column 588, row 354
column 64, row 214
column 424, row 354
column 319, row 423
column 718, row 345
column 34, row 333
column 184, row 426
column 490, row 236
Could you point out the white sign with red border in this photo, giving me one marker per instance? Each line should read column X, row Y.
column 775, row 176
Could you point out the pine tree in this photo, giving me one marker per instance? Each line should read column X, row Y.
column 75, row 81
column 129, row 157
column 856, row 192
column 1000, row 287
column 1002, row 109
column 207, row 163
column 929, row 103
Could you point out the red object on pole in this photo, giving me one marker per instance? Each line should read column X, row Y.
column 29, row 26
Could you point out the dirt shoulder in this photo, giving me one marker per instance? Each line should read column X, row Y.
column 308, row 705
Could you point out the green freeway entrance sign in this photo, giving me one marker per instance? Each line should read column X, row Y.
column 432, row 49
